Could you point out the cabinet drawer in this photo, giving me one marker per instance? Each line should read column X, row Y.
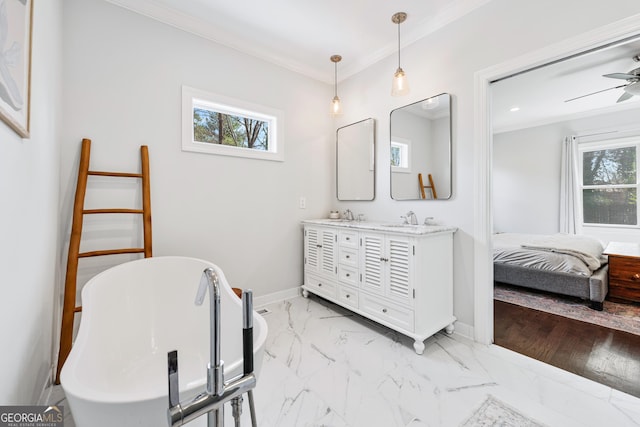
column 386, row 311
column 348, row 239
column 627, row 269
column 624, row 278
column 348, row 296
column 348, row 275
column 623, row 290
column 321, row 287
column 348, row 257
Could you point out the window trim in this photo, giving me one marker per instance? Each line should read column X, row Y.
column 396, row 141
column 197, row 98
column 606, row 145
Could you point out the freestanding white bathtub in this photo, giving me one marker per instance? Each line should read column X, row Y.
column 132, row 316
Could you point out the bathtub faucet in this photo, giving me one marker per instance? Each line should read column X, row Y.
column 209, row 280
column 217, row 393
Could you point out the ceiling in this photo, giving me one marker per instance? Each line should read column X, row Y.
column 301, row 35
column 541, row 94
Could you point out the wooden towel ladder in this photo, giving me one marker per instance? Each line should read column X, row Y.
column 431, row 186
column 69, row 307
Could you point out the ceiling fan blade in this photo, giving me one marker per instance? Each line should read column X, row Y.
column 623, row 76
column 593, row 93
column 624, row 97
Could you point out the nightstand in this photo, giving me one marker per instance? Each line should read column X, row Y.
column 624, row 271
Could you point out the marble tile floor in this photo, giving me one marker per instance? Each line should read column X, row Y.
column 325, row 366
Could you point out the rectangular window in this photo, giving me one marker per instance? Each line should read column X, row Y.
column 400, row 155
column 221, row 125
column 610, row 182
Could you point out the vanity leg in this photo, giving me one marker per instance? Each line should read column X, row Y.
column 305, row 293
column 418, row 346
column 449, row 329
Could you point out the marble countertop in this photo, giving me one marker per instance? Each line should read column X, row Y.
column 394, row 227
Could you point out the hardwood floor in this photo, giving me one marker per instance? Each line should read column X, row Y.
column 608, row 356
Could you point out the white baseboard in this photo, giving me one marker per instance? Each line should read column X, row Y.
column 45, row 393
column 464, row 330
column 276, row 297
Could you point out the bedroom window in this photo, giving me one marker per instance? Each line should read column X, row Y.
column 610, row 183
column 226, row 126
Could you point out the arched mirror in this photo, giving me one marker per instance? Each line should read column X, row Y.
column 355, row 161
column 421, row 150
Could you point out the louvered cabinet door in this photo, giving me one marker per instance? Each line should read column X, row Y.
column 312, row 250
column 372, row 262
column 328, row 243
column 320, row 251
column 399, row 269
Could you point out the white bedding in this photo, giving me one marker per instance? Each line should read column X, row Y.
column 588, row 249
column 579, row 255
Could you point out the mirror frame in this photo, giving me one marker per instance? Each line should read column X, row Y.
column 372, row 157
column 449, row 151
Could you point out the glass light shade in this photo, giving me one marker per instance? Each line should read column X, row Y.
column 400, row 85
column 336, row 106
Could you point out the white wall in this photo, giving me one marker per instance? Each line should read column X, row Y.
column 445, row 62
column 526, row 180
column 526, row 174
column 29, row 188
column 123, row 77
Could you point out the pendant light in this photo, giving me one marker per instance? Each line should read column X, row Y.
column 336, row 105
column 400, row 85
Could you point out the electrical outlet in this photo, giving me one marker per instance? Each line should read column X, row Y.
column 302, row 204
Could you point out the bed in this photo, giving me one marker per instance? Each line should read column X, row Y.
column 559, row 263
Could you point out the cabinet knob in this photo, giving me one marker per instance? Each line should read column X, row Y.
column 348, row 256
column 348, row 296
column 348, row 275
column 384, row 310
column 319, row 285
column 348, row 238
column 635, row 277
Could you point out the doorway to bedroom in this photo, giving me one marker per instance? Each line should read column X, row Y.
column 565, row 150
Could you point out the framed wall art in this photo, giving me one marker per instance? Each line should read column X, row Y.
column 15, row 64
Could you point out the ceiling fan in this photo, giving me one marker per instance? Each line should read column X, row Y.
column 631, row 88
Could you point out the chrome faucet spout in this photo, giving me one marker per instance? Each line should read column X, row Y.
column 411, row 218
column 215, row 378
column 348, row 215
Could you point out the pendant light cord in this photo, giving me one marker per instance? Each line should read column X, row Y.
column 398, row 45
column 335, row 80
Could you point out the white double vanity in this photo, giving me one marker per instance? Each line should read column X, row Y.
column 398, row 275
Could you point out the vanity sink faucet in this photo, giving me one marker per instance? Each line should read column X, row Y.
column 410, row 218
column 348, row 215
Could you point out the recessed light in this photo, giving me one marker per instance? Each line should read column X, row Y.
column 514, row 109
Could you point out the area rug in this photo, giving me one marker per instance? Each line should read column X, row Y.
column 495, row 413
column 623, row 317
